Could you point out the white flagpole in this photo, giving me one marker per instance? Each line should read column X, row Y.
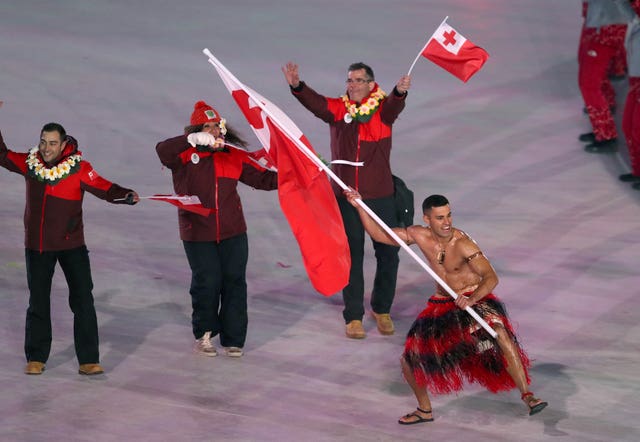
column 236, row 147
column 242, row 149
column 168, row 197
column 425, row 45
column 216, row 63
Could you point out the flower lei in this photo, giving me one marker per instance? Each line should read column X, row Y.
column 223, row 126
column 364, row 111
column 51, row 175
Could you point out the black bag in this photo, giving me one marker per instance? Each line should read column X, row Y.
column 403, row 198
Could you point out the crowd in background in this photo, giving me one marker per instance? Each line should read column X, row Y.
column 609, row 49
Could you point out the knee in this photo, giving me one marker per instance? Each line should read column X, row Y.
column 587, row 81
column 81, row 302
column 387, row 254
column 203, row 279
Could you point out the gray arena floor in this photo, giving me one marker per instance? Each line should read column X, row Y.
column 562, row 232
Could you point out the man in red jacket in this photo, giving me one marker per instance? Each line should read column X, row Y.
column 361, row 122
column 216, row 245
column 57, row 177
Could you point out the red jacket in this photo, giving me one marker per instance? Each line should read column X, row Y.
column 213, row 177
column 53, row 211
column 368, row 142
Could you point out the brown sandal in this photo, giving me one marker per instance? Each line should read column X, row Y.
column 535, row 405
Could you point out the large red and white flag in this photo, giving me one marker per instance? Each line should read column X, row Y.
column 453, row 52
column 305, row 194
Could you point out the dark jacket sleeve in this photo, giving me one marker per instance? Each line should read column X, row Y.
column 170, row 149
column 8, row 158
column 4, row 152
column 392, row 106
column 104, row 189
column 313, row 101
column 258, row 178
column 117, row 194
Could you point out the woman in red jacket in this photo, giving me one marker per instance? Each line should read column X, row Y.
column 216, row 245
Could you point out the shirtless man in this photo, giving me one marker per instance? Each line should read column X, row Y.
column 445, row 346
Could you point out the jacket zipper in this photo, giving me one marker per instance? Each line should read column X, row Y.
column 44, row 203
column 217, row 212
column 357, row 160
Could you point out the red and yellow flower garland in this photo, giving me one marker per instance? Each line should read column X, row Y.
column 363, row 111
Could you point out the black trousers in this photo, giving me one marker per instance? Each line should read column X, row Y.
column 77, row 271
column 219, row 288
column 384, row 282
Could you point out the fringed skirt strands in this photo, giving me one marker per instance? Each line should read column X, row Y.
column 446, row 347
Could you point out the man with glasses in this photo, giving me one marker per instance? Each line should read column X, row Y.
column 360, row 124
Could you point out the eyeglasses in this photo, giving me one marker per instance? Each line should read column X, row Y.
column 358, row 80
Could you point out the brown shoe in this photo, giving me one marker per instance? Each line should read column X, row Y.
column 384, row 322
column 90, row 369
column 34, row 367
column 355, row 330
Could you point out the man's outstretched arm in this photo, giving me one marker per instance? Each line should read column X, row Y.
column 373, row 228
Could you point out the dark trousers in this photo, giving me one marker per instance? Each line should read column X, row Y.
column 77, row 271
column 384, row 283
column 219, row 288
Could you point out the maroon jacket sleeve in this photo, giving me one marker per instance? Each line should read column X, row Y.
column 258, row 178
column 15, row 162
column 313, row 101
column 93, row 183
column 391, row 107
column 170, row 149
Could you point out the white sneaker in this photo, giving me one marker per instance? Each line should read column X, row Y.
column 233, row 352
column 204, row 345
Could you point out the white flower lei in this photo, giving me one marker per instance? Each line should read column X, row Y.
column 51, row 175
column 223, row 126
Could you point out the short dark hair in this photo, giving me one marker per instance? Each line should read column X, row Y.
column 433, row 201
column 55, row 127
column 361, row 65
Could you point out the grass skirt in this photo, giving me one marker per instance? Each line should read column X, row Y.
column 446, row 347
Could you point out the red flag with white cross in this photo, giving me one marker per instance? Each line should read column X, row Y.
column 453, row 52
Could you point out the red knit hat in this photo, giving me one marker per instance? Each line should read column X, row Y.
column 203, row 113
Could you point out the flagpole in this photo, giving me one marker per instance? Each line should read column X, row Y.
column 425, row 46
column 216, row 63
column 236, row 147
column 168, row 197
